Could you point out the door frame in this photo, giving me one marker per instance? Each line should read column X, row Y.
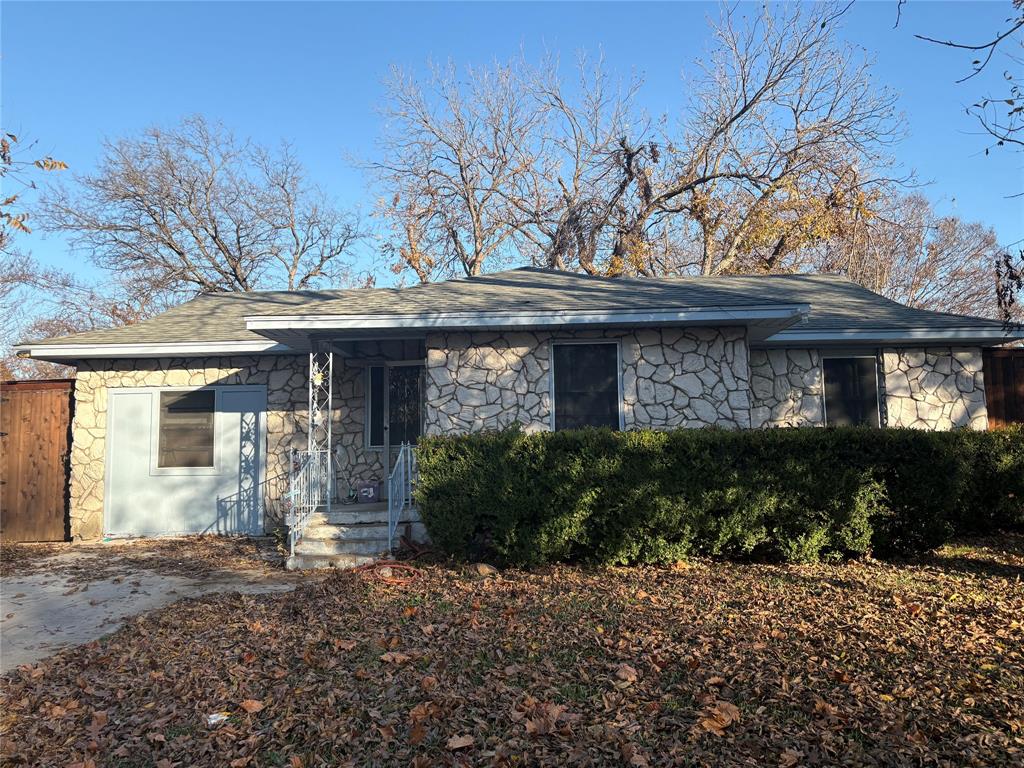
column 387, row 365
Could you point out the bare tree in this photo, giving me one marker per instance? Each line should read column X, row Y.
column 582, row 170
column 19, row 169
column 501, row 167
column 1002, row 117
column 450, row 154
column 785, row 140
column 38, row 302
column 17, row 172
column 192, row 209
column 917, row 257
column 786, row 137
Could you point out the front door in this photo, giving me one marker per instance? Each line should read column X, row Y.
column 185, row 461
column 396, row 408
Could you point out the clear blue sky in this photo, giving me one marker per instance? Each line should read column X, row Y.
column 75, row 73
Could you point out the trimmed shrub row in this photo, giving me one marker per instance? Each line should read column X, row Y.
column 796, row 495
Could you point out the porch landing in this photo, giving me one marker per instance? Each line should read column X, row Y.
column 351, row 535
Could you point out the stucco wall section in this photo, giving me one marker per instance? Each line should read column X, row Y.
column 287, row 381
column 786, row 388
column 935, row 388
column 671, row 377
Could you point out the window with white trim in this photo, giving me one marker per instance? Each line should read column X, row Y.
column 585, row 380
column 186, row 429
column 851, row 391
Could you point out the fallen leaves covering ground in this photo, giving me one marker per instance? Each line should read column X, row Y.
column 711, row 664
column 193, row 556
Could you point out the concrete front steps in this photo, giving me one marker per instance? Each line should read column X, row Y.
column 351, row 535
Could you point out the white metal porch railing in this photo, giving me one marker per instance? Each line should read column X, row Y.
column 400, row 484
column 309, row 488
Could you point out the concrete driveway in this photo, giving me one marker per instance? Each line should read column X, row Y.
column 59, row 604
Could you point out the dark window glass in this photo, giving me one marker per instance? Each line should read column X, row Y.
column 377, row 405
column 405, row 399
column 851, row 391
column 586, row 386
column 186, row 429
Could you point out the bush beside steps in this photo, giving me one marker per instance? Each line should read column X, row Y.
column 793, row 495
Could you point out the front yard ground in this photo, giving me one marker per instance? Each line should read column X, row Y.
column 715, row 664
column 57, row 595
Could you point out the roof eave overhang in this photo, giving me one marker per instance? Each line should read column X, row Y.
column 69, row 353
column 762, row 320
column 964, row 336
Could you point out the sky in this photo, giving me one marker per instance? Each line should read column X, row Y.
column 74, row 74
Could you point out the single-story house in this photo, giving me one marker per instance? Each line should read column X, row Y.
column 190, row 421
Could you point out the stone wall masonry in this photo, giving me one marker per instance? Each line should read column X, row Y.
column 671, row 377
column 287, row 381
column 935, row 388
column 357, row 463
column 786, row 388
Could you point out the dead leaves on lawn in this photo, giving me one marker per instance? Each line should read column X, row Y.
column 189, row 556
column 541, row 718
column 717, row 718
column 459, row 742
column 251, row 705
column 717, row 664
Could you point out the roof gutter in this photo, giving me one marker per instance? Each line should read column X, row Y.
column 64, row 352
column 985, row 336
column 786, row 313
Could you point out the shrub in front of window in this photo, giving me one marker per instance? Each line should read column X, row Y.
column 607, row 497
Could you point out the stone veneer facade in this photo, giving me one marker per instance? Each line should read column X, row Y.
column 786, row 388
column 935, row 388
column 671, row 377
column 287, row 380
column 924, row 388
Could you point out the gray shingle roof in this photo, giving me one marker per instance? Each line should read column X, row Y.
column 836, row 303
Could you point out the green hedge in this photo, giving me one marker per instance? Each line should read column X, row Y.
column 797, row 495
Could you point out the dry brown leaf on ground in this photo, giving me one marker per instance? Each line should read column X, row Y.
column 459, row 742
column 428, row 683
column 719, row 717
column 790, row 758
column 626, row 673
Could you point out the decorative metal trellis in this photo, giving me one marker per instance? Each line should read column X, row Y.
column 321, row 377
column 321, row 374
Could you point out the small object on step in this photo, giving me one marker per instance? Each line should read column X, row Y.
column 368, row 493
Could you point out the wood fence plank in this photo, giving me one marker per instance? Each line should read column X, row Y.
column 1004, row 386
column 35, row 418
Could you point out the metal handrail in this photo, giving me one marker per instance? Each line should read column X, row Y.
column 309, row 486
column 400, row 489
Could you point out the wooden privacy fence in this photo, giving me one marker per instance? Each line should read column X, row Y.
column 35, row 427
column 1004, row 386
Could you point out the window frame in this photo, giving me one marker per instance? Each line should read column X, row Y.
column 154, row 454
column 618, row 375
column 852, row 355
column 368, row 404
